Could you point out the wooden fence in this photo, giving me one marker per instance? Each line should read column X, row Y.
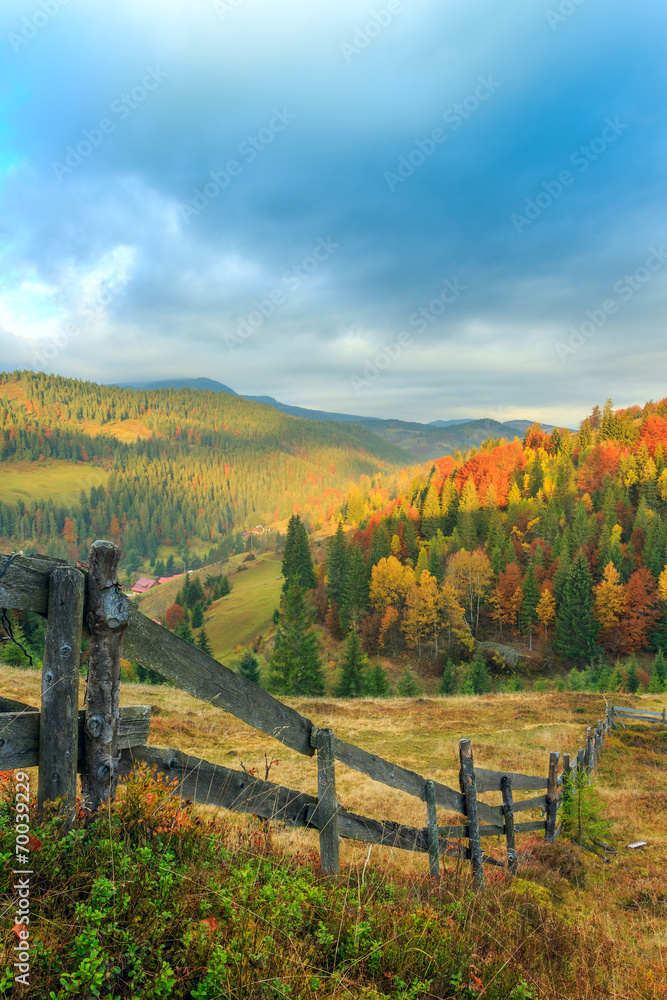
column 104, row 743
column 635, row 716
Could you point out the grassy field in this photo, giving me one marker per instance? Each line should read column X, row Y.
column 619, row 908
column 233, row 622
column 60, row 481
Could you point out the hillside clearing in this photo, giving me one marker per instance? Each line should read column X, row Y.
column 57, row 480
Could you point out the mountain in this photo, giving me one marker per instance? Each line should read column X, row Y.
column 168, row 471
column 179, row 383
column 422, row 441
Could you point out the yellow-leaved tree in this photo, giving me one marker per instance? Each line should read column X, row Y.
column 390, row 583
column 610, row 602
column 470, row 573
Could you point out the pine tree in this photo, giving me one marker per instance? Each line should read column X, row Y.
column 448, row 680
column 183, row 631
column 197, row 616
column 249, row 667
column 352, row 682
column 377, row 685
column 336, row 564
column 576, row 627
column 295, row 666
column 531, row 599
column 380, row 548
column 203, row 642
column 658, row 682
column 430, row 514
column 632, row 677
column 479, row 674
column 408, row 685
column 297, row 560
column 355, row 594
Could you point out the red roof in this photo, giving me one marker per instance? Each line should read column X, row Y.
column 143, row 584
column 166, row 579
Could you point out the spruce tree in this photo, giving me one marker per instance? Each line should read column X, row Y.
column 355, row 593
column 249, row 666
column 352, row 682
column 658, row 680
column 184, row 631
column 297, row 560
column 295, row 666
column 336, row 564
column 576, row 627
column 197, row 616
column 479, row 674
column 377, row 684
column 531, row 598
column 408, row 686
column 203, row 642
column 448, row 680
column 380, row 548
column 632, row 681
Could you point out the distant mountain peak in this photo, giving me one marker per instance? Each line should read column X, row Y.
column 179, row 383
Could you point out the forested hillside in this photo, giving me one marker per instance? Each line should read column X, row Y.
column 183, row 468
column 558, row 543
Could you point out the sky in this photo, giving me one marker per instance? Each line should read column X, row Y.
column 420, row 209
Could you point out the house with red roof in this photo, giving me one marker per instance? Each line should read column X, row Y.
column 143, row 584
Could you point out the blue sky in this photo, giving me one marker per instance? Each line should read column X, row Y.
column 408, row 208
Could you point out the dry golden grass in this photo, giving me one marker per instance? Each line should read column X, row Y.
column 626, row 898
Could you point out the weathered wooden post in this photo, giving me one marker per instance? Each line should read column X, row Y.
column 432, row 830
column 327, row 803
column 588, row 751
column 59, row 713
column 107, row 618
column 567, row 777
column 508, row 814
column 469, row 789
column 552, row 798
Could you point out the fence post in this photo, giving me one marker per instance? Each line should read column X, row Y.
column 59, row 711
column 107, row 619
column 432, row 830
column 552, row 798
column 508, row 813
column 469, row 789
column 327, row 803
column 587, row 751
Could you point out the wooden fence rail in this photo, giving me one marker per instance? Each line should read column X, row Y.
column 110, row 741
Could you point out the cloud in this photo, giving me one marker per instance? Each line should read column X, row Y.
column 312, row 133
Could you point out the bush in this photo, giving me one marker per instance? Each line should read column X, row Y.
column 408, row 685
column 447, row 684
column 480, row 676
column 377, row 683
column 249, row 667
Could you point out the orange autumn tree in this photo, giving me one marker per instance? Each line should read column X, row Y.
column 507, row 598
column 641, row 612
column 610, row 602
